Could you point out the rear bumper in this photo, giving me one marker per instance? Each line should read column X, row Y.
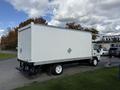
column 25, row 62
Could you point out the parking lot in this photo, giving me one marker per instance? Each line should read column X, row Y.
column 11, row 78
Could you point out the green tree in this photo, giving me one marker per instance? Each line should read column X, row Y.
column 93, row 31
column 74, row 26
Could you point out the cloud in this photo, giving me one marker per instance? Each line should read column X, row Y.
column 1, row 32
column 101, row 14
column 117, row 27
column 34, row 8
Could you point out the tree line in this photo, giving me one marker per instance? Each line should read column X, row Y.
column 9, row 41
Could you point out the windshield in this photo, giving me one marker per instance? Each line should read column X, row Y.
column 96, row 47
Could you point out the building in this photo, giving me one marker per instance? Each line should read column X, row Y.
column 106, row 41
column 114, row 38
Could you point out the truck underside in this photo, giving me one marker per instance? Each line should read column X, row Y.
column 31, row 69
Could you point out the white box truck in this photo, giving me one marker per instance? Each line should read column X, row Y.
column 41, row 46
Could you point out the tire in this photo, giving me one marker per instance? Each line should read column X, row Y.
column 32, row 71
column 94, row 62
column 57, row 69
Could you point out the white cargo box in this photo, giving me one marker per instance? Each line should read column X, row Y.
column 43, row 44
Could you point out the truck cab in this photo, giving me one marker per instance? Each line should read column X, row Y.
column 95, row 54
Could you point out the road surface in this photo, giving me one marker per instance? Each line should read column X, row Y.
column 11, row 78
column 8, row 51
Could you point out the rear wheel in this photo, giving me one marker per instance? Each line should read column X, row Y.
column 33, row 70
column 57, row 69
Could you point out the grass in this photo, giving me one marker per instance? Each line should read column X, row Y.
column 6, row 56
column 102, row 79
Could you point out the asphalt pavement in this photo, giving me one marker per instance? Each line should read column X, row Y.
column 8, row 51
column 11, row 78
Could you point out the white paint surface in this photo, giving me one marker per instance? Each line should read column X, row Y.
column 47, row 44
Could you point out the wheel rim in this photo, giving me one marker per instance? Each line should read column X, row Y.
column 58, row 69
column 95, row 62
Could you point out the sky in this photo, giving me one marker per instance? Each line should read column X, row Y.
column 103, row 15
